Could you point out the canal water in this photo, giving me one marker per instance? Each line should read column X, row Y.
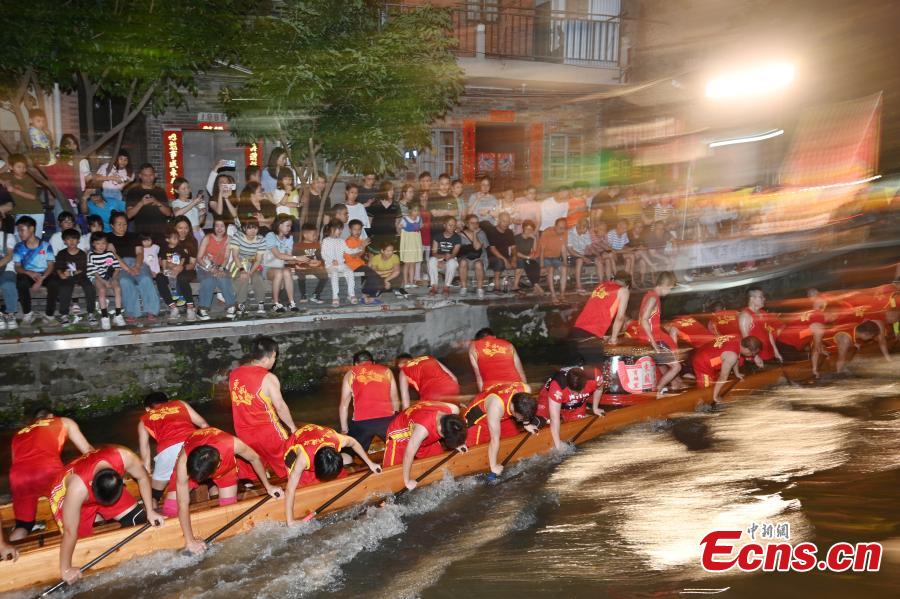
column 620, row 516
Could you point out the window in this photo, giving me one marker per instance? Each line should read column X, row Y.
column 442, row 157
column 485, row 11
column 564, row 156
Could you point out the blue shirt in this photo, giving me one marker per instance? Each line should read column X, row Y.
column 34, row 259
column 103, row 212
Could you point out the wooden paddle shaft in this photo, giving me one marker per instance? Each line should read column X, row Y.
column 243, row 515
column 422, row 476
column 346, row 490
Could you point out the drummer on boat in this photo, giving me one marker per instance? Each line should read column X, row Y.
column 493, row 414
column 210, row 455
column 428, row 376
column 372, row 391
column 312, row 454
column 92, row 486
column 605, row 308
column 650, row 331
column 36, row 464
column 261, row 418
column 714, row 362
column 494, row 360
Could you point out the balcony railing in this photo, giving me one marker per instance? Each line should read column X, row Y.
column 537, row 34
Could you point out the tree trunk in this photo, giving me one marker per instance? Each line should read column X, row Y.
column 128, row 101
column 126, row 120
column 89, row 107
column 326, row 195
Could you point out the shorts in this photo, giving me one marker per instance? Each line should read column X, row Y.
column 706, row 376
column 394, row 451
column 164, row 463
column 28, row 483
column 665, row 355
column 364, row 430
column 543, row 411
column 553, row 262
column 479, row 433
column 89, row 513
column 571, row 260
column 270, row 448
column 439, row 392
column 496, row 264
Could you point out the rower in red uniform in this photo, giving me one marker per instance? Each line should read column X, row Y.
column 651, row 331
column 756, row 322
column 210, row 455
column 373, row 392
column 606, row 306
column 689, row 330
column 261, row 418
column 313, row 455
column 564, row 397
column 797, row 332
column 494, row 360
column 873, row 304
column 168, row 423
column 431, row 379
column 36, row 464
column 844, row 337
column 492, row 415
column 92, row 486
column 722, row 321
column 422, row 430
column 714, row 361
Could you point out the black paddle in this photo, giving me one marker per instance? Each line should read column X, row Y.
column 421, row 477
column 240, row 517
column 583, row 430
column 346, row 490
column 99, row 558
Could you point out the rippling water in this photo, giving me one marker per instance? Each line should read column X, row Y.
column 621, row 516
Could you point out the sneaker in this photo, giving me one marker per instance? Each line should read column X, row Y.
column 74, row 318
column 174, row 312
column 402, row 292
column 62, row 320
column 11, row 324
column 28, row 318
column 48, row 319
column 293, row 307
column 179, row 301
column 3, row 322
column 74, row 309
column 303, row 299
column 241, row 308
column 480, row 294
column 277, row 309
column 230, row 313
column 203, row 314
column 130, row 321
column 463, row 290
column 316, row 299
column 261, row 308
column 92, row 319
column 191, row 314
column 104, row 323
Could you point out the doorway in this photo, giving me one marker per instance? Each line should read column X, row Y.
column 501, row 153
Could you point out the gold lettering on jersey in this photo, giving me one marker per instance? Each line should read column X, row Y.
column 161, row 413
column 720, row 341
column 240, row 394
column 600, row 293
column 415, row 361
column 685, row 322
column 40, row 423
column 493, row 349
column 725, row 318
column 366, row 376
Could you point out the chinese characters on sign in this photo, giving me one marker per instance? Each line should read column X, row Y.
column 172, row 158
column 251, row 154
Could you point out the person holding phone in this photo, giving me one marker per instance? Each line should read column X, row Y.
column 194, row 209
column 147, row 206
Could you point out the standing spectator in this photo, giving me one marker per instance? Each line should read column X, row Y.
column 286, row 198
column 425, row 214
column 554, row 208
column 368, row 190
column 473, row 248
column 71, row 267
column 212, row 258
column 334, row 254
column 176, row 264
column 252, row 174
column 355, row 210
column 147, row 207
column 279, row 261
column 618, row 243
column 456, row 190
column 424, row 189
column 601, row 251
column 223, row 201
column 313, row 203
column 527, row 262
column 252, row 205
column 66, row 221
column 7, row 207
column 34, row 262
column 40, row 138
column 578, row 242
column 24, row 192
column 657, row 240
column 103, row 270
column 308, row 254
column 372, row 285
column 339, row 213
column 387, row 264
column 8, row 282
column 483, row 204
column 94, row 203
column 553, row 256
column 664, row 209
column 65, row 177
column 247, row 249
column 407, row 198
column 139, row 294
column 193, row 209
column 278, row 160
column 444, row 250
column 578, row 208
column 410, row 245
column 502, row 249
column 113, row 177
column 384, row 212
column 442, row 205
column 527, row 208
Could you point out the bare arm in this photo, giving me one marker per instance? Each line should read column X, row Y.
column 76, row 436
column 395, row 399
column 619, row 321
column 135, row 469
column 744, row 323
column 183, row 496
column 198, row 420
column 494, row 416
column 403, row 383
column 291, row 491
column 729, row 360
column 473, row 359
column 144, row 446
column 76, row 493
column 645, row 321
column 358, row 450
column 272, row 389
column 344, row 407
column 419, row 434
column 244, row 451
column 519, row 369
column 447, row 370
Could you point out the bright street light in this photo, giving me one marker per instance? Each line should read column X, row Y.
column 756, row 81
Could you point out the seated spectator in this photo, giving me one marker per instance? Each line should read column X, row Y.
column 601, row 251
column 554, row 208
column 66, row 221
column 68, row 178
column 355, row 210
column 308, row 254
column 656, row 241
column 472, row 252
column 577, row 244
column 189, row 207
column 103, row 270
column 445, row 248
column 94, row 203
column 8, row 282
column 638, row 247
column 618, row 242
column 254, row 205
column 527, row 258
column 34, row 264
column 71, row 268
column 7, row 207
column 664, row 209
column 340, row 214
column 334, row 253
column 147, row 207
column 554, row 256
column 278, row 262
column 372, row 283
column 285, row 197
column 212, row 258
column 628, row 206
column 578, row 207
column 410, row 229
column 501, row 249
column 24, row 192
column 177, row 265
column 113, row 177
column 483, row 204
column 247, row 249
column 387, row 264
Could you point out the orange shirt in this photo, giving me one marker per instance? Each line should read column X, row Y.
column 578, row 209
column 552, row 243
column 354, row 261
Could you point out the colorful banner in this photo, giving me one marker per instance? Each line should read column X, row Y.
column 468, row 151
column 172, row 158
column 253, row 153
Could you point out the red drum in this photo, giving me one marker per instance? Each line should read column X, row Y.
column 630, row 377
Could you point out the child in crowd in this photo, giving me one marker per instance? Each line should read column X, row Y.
column 8, row 281
column 334, row 252
column 71, row 268
column 103, row 271
column 579, row 240
column 527, row 262
column 372, row 283
column 601, row 251
column 173, row 262
column 247, row 249
column 66, row 221
column 407, row 197
column 410, row 244
column 40, row 137
column 355, row 210
column 309, row 262
column 387, row 264
column 554, row 256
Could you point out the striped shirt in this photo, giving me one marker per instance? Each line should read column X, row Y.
column 247, row 249
column 616, row 241
column 98, row 265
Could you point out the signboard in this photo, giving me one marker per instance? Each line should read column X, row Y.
column 172, row 158
column 252, row 154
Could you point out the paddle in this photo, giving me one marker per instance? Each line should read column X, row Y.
column 583, row 430
column 421, row 477
column 346, row 490
column 240, row 517
column 99, row 558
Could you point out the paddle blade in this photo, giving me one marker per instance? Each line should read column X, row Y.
column 309, row 516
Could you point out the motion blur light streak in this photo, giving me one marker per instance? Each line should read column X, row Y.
column 752, row 82
column 749, row 139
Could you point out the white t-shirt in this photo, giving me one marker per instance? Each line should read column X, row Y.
column 192, row 215
column 107, row 170
column 7, row 251
column 551, row 210
column 358, row 212
column 58, row 245
column 84, row 171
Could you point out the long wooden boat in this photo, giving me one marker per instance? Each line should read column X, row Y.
column 39, row 560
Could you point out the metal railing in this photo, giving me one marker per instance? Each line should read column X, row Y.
column 537, row 34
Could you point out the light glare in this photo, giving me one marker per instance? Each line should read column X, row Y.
column 752, row 82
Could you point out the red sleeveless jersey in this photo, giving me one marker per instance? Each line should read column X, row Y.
column 39, row 444
column 422, row 413
column 655, row 326
column 761, row 324
column 600, row 310
column 477, row 410
column 168, row 424
column 306, row 441
column 726, row 322
column 870, row 304
column 429, row 379
column 496, row 361
column 709, row 357
column 83, row 467
column 251, row 410
column 691, row 331
column 829, row 340
column 221, row 442
column 796, row 332
column 371, row 387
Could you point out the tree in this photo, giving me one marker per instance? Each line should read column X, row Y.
column 346, row 81
column 145, row 52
